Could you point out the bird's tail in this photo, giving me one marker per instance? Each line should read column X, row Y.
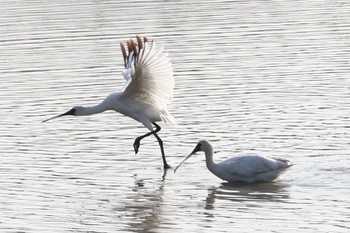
column 168, row 119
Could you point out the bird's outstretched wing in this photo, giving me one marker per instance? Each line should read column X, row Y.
column 148, row 72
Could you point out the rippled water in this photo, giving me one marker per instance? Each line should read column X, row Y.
column 265, row 76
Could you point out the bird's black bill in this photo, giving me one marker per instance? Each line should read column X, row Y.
column 70, row 112
column 188, row 156
column 196, row 149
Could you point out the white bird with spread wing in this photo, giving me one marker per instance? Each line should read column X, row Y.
column 148, row 90
column 242, row 168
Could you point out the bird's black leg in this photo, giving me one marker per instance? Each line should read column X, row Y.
column 138, row 140
column 165, row 164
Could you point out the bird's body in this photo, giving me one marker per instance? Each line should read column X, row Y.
column 147, row 92
column 249, row 168
column 242, row 168
column 143, row 112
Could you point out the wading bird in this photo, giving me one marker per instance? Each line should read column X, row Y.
column 242, row 168
column 148, row 90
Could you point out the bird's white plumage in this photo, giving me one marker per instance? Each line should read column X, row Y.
column 149, row 77
column 147, row 92
column 242, row 168
column 249, row 165
column 252, row 168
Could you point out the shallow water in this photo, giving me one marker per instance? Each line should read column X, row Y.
column 269, row 77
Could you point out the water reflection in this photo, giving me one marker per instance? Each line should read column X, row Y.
column 240, row 192
column 144, row 205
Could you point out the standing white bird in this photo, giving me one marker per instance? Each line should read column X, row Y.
column 148, row 90
column 242, row 168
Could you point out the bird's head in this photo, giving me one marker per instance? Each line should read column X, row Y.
column 73, row 112
column 202, row 145
column 198, row 147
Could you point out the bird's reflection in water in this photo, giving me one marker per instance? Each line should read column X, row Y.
column 241, row 192
column 165, row 171
column 144, row 205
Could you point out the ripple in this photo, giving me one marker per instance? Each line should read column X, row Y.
column 268, row 77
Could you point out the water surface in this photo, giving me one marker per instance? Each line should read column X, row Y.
column 269, row 77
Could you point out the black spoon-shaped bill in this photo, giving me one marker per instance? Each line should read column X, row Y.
column 70, row 112
column 196, row 149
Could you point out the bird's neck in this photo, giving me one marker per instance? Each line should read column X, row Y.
column 215, row 168
column 112, row 102
column 209, row 159
column 93, row 110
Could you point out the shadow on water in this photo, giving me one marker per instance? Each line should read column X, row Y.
column 240, row 192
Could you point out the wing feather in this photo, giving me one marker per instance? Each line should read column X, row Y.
column 251, row 165
column 149, row 73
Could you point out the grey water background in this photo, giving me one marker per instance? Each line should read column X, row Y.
column 269, row 77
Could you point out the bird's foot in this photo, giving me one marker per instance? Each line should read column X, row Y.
column 136, row 145
column 166, row 166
